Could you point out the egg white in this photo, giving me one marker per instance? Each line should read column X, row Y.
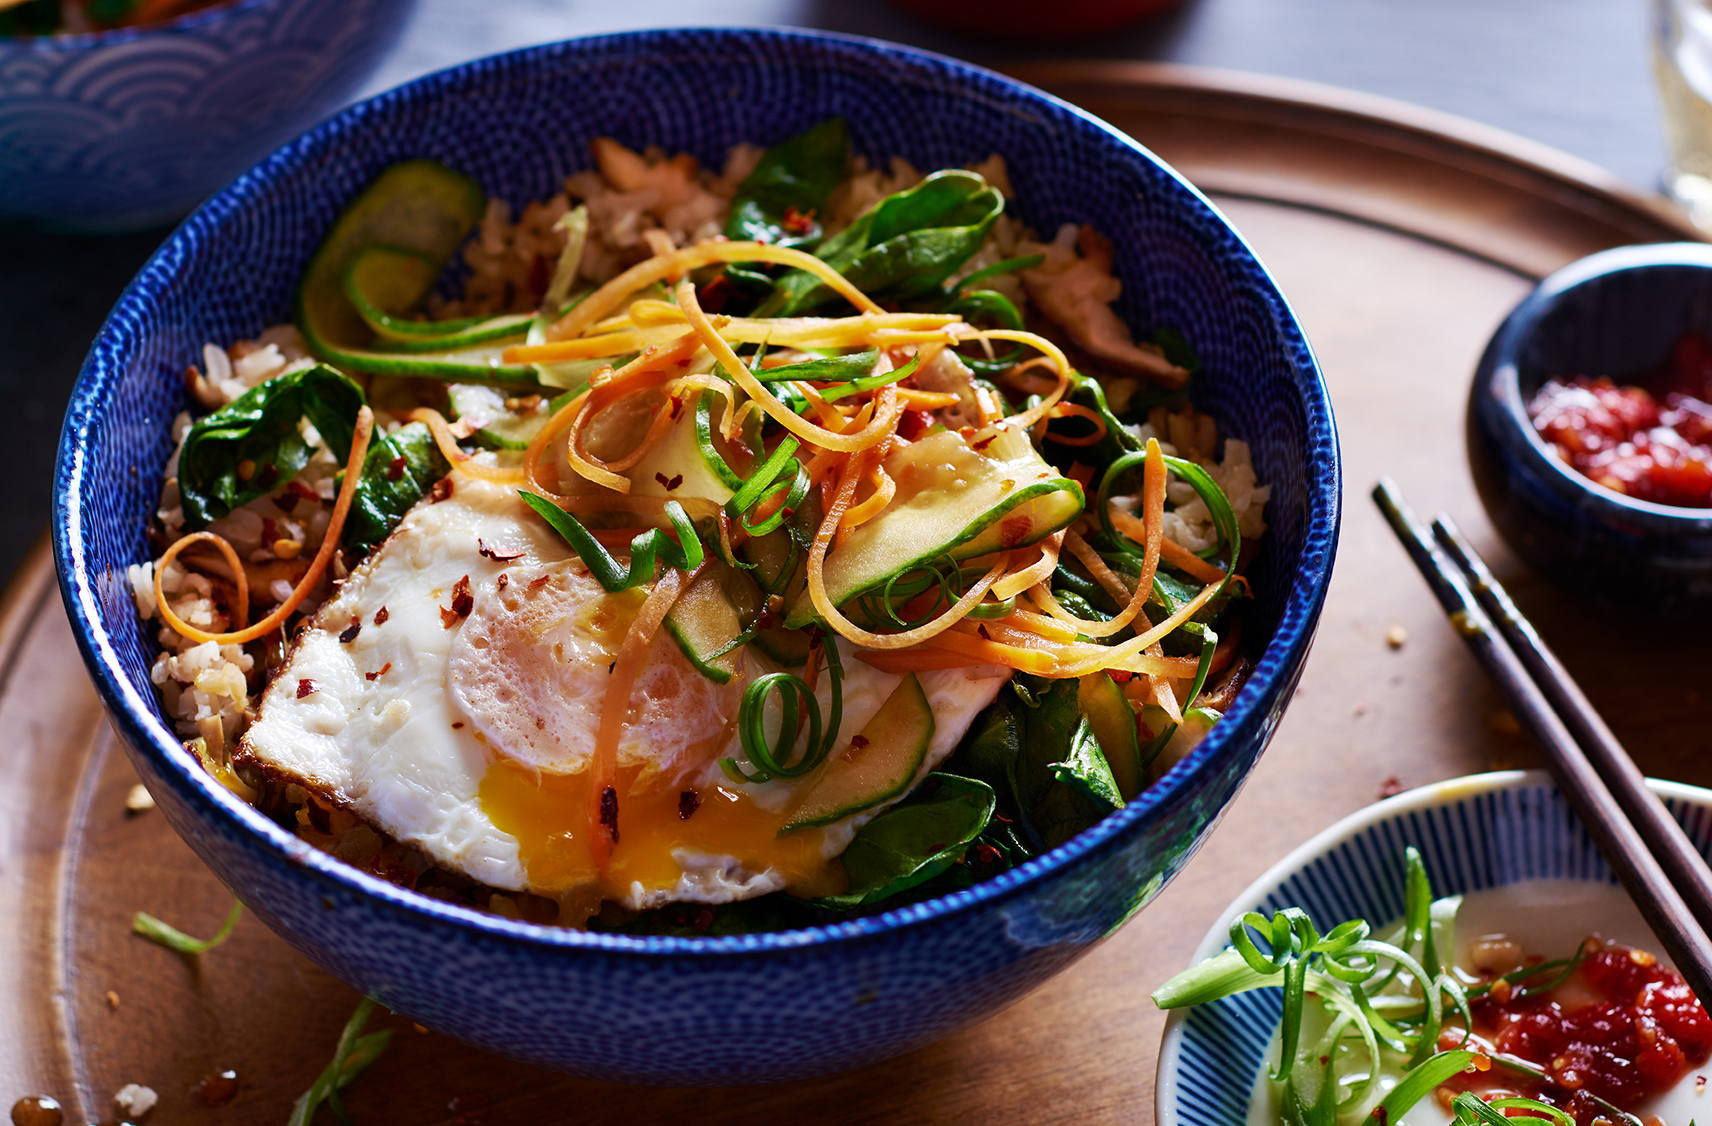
column 401, row 752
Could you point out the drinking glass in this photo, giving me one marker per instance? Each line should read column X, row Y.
column 1682, row 62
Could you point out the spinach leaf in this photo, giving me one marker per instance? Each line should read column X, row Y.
column 905, row 247
column 1086, row 769
column 796, row 176
column 246, row 448
column 1042, row 760
column 398, row 471
column 915, row 840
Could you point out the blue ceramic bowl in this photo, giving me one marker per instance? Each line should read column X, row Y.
column 128, row 129
column 713, row 1010
column 1485, row 831
column 1615, row 313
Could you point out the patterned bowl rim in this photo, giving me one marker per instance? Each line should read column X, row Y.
column 136, row 714
column 94, row 40
column 1498, row 378
column 1451, row 791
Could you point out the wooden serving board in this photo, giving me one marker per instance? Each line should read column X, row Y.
column 1402, row 238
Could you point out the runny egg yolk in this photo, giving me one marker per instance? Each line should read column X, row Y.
column 548, row 815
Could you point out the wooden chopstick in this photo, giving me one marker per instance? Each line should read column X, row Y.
column 1684, row 940
column 1676, row 854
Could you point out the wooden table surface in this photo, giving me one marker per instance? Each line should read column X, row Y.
column 1401, row 248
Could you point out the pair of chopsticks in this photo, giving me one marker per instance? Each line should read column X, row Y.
column 1652, row 857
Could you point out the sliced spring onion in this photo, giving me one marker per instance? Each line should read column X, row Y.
column 1027, row 262
column 773, row 760
column 766, row 481
column 871, row 382
column 176, row 940
column 351, row 1057
column 684, row 553
column 826, row 369
column 992, row 304
column 709, row 452
column 1218, row 505
column 1209, row 644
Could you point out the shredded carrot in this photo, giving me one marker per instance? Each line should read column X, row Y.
column 1115, row 656
column 1089, row 558
column 1163, row 694
column 615, row 707
column 329, row 544
column 1170, row 550
column 922, row 658
column 461, row 461
column 1052, row 356
column 1041, row 662
column 651, row 369
column 654, row 326
column 884, row 490
column 646, row 273
column 1018, row 581
column 886, row 415
column 1073, row 410
column 240, row 579
column 927, row 400
column 1153, row 478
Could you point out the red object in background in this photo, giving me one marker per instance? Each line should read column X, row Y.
column 1623, row 1028
column 1032, row 19
column 1623, row 439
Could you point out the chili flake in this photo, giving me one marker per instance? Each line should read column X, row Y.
column 688, row 802
column 351, row 631
column 609, row 812
column 307, row 687
column 462, row 603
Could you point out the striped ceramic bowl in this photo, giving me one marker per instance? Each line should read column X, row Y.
column 1474, row 833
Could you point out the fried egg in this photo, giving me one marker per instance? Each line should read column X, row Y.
column 449, row 692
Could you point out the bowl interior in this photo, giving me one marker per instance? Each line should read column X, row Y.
column 1616, row 314
column 519, row 124
column 1475, row 833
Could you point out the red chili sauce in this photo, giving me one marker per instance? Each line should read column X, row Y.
column 1621, row 1027
column 1651, row 445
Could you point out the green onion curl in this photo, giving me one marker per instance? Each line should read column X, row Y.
column 796, row 699
column 684, row 553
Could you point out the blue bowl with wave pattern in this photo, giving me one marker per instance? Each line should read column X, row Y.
column 122, row 130
column 1474, row 833
column 715, row 1010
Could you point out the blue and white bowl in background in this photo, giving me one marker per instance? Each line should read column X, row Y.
column 1475, row 833
column 743, row 1008
column 127, row 129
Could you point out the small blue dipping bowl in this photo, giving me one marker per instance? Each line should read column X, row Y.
column 715, row 1010
column 1474, row 833
column 127, row 129
column 1616, row 313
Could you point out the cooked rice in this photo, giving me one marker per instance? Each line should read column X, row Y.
column 205, row 686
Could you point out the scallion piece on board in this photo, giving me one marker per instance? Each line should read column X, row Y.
column 354, row 1053
column 176, row 940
